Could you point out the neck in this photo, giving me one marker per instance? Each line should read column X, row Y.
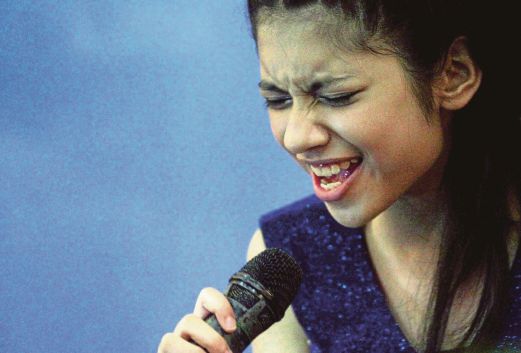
column 408, row 233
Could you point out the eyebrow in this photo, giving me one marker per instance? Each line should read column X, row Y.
column 311, row 88
column 268, row 86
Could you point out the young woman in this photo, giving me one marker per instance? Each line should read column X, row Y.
column 404, row 114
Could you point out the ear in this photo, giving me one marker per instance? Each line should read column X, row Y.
column 459, row 79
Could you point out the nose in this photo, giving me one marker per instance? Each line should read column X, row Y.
column 303, row 132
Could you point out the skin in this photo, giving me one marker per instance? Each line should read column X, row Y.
column 403, row 154
column 396, row 197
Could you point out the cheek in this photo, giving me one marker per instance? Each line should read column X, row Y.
column 278, row 126
column 361, row 126
column 392, row 133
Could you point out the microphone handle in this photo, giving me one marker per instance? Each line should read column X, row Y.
column 237, row 340
column 250, row 323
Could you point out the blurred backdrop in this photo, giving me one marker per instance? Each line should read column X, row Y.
column 135, row 160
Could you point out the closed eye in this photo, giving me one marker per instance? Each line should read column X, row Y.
column 337, row 100
column 278, row 103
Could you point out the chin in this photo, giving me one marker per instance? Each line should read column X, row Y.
column 348, row 216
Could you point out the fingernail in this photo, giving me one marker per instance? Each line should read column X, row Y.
column 230, row 323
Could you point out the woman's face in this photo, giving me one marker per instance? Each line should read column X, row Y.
column 329, row 106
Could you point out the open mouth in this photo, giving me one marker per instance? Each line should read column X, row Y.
column 331, row 176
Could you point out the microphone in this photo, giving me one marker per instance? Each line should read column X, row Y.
column 260, row 292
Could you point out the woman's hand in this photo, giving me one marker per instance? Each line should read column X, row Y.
column 192, row 329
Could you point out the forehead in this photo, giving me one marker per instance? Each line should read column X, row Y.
column 297, row 50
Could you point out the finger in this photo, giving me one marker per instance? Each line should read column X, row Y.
column 210, row 300
column 172, row 343
column 192, row 327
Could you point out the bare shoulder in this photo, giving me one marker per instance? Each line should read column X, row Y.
column 285, row 336
column 256, row 246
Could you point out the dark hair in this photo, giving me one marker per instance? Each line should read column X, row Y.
column 484, row 163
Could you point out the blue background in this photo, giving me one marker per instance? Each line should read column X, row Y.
column 135, row 160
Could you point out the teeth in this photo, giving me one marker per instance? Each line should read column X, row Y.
column 330, row 185
column 320, row 171
column 345, row 165
column 333, row 169
column 326, row 171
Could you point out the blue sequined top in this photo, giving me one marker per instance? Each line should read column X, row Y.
column 341, row 305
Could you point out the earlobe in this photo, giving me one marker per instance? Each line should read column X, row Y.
column 460, row 77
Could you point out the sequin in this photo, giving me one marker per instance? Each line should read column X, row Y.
column 341, row 304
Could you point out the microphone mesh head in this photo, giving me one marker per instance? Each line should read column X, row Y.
column 279, row 273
